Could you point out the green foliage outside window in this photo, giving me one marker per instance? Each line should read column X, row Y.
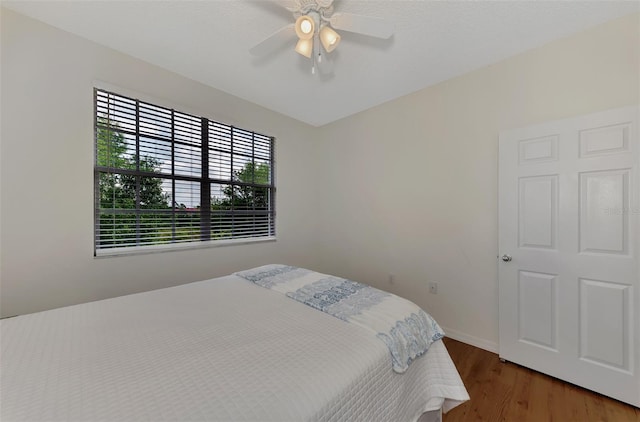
column 121, row 191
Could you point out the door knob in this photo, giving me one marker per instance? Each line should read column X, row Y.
column 506, row 258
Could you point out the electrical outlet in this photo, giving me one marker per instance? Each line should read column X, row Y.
column 392, row 279
column 433, row 287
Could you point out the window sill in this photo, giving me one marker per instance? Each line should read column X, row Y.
column 171, row 247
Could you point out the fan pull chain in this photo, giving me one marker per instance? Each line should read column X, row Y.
column 316, row 47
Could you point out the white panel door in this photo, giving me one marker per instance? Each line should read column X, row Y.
column 569, row 216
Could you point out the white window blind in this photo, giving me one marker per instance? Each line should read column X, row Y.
column 164, row 177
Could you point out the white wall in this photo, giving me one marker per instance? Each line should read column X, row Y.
column 410, row 187
column 46, row 173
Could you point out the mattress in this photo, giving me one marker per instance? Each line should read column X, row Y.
column 217, row 350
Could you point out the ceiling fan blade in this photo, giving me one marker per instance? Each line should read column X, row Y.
column 290, row 5
column 274, row 41
column 366, row 25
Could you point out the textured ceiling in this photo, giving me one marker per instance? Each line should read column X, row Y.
column 208, row 41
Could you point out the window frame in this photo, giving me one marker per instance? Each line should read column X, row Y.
column 204, row 179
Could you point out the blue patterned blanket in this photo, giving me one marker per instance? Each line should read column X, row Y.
column 403, row 326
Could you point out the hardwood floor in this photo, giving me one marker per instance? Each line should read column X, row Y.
column 508, row 392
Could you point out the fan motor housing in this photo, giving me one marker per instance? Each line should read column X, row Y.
column 324, row 8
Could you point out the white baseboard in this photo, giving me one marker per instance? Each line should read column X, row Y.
column 469, row 339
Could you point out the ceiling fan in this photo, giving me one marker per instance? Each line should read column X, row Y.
column 315, row 27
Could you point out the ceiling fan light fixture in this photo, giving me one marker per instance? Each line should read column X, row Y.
column 329, row 39
column 305, row 27
column 315, row 24
column 305, row 47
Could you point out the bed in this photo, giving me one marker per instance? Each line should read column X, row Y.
column 225, row 349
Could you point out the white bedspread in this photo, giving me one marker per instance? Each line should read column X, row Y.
column 407, row 330
column 217, row 350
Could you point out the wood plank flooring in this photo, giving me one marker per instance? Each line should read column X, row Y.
column 508, row 392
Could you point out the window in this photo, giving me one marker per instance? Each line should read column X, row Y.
column 166, row 177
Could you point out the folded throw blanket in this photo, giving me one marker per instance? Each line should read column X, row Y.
column 403, row 326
